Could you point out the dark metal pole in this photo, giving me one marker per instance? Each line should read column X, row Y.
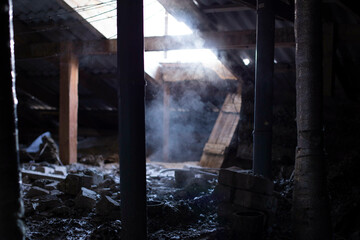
column 130, row 43
column 264, row 70
column 310, row 206
column 11, row 211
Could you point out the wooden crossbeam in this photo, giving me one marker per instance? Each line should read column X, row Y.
column 245, row 39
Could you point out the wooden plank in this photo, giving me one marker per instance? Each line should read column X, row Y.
column 39, row 175
column 232, row 104
column 214, row 148
column 68, row 109
column 211, row 161
column 222, row 133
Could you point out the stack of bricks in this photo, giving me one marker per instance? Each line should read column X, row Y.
column 244, row 198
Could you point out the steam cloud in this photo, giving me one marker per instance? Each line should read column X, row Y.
column 193, row 111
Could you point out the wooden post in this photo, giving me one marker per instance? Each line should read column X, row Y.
column 166, row 121
column 132, row 148
column 310, row 198
column 11, row 206
column 68, row 109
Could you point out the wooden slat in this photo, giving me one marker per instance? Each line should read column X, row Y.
column 39, row 175
column 213, row 148
column 222, row 133
column 211, row 161
column 68, row 109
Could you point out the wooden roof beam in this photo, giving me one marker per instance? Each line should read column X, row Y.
column 246, row 39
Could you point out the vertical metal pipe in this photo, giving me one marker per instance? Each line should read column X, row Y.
column 130, row 57
column 310, row 202
column 11, row 209
column 264, row 70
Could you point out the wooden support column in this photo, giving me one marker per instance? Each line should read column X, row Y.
column 11, row 206
column 310, row 197
column 132, row 148
column 68, row 106
column 166, row 121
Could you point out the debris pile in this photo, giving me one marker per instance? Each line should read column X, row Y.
column 83, row 202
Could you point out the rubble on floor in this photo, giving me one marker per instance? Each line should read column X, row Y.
column 83, row 202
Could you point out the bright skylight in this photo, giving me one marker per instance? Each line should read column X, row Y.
column 102, row 15
column 99, row 13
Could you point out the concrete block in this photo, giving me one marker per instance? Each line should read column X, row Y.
column 246, row 180
column 60, row 170
column 86, row 199
column 74, row 182
column 97, row 178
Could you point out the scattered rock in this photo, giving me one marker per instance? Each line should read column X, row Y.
column 74, row 182
column 36, row 191
column 108, row 207
column 60, row 170
column 48, row 202
column 41, row 183
column 86, row 199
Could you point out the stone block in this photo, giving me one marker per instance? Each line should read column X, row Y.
column 246, row 180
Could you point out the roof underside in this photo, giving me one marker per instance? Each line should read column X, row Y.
column 53, row 21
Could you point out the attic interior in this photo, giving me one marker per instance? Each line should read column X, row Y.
column 191, row 119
